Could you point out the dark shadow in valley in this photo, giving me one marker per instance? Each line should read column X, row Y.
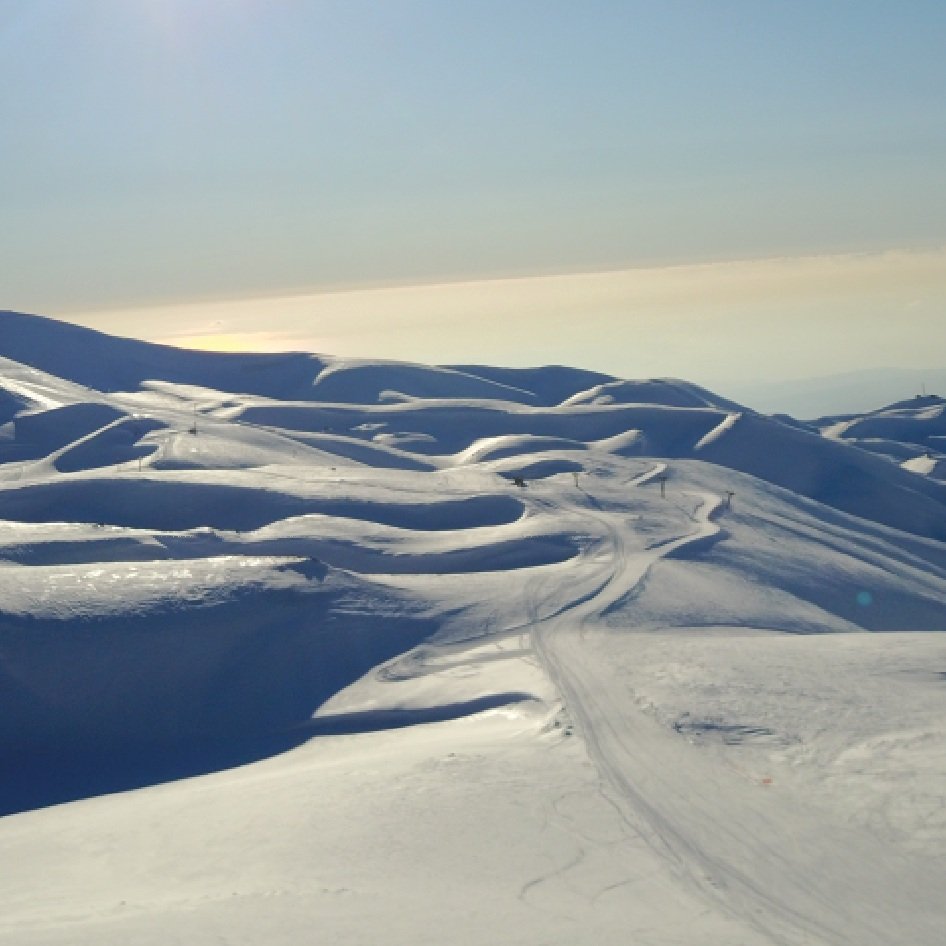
column 36, row 779
column 146, row 502
column 107, row 703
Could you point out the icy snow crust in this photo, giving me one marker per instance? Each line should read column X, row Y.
column 287, row 656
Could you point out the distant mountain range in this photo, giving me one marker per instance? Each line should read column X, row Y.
column 848, row 393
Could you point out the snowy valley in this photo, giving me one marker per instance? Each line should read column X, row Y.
column 307, row 649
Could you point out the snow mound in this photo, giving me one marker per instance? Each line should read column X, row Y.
column 107, row 363
column 666, row 392
column 912, row 422
column 549, row 385
column 165, row 653
column 364, row 382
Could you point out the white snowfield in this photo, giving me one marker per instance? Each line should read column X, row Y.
column 287, row 656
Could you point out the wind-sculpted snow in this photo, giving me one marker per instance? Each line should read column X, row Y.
column 911, row 433
column 377, row 549
column 152, row 652
column 106, row 363
column 851, row 480
column 550, row 385
column 377, row 382
column 11, row 404
column 620, row 660
column 58, row 427
column 666, row 392
column 166, row 505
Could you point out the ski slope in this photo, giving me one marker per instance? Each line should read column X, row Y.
column 286, row 656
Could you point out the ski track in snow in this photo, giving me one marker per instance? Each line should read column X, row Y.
column 623, row 747
column 619, row 751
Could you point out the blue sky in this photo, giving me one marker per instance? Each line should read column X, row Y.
column 162, row 151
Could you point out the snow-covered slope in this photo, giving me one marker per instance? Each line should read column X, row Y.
column 682, row 685
column 912, row 433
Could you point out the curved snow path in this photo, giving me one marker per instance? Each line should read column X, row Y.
column 752, row 854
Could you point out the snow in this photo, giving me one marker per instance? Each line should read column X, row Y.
column 286, row 656
column 724, row 427
column 927, row 465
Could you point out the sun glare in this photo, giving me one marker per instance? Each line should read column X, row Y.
column 251, row 341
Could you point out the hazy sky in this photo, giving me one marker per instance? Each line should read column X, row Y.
column 750, row 166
